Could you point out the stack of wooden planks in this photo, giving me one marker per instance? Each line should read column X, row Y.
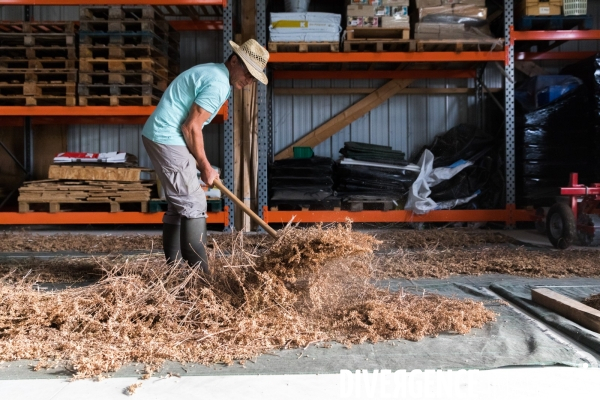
column 87, row 185
column 129, row 55
column 37, row 63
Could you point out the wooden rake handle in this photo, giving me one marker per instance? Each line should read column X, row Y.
column 247, row 210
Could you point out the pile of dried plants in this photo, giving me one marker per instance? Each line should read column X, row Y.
column 311, row 285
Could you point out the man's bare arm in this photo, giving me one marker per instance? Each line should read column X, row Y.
column 192, row 134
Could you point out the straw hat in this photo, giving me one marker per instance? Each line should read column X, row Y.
column 254, row 56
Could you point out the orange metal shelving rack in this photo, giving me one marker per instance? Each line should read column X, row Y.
column 510, row 215
column 106, row 115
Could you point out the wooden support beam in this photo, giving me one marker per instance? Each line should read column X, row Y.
column 345, row 91
column 347, row 116
column 567, row 307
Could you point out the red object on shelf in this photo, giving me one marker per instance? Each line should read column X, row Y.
column 101, row 115
column 84, row 218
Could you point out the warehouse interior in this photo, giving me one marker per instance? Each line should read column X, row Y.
column 408, row 209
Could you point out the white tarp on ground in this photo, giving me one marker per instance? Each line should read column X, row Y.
column 418, row 195
column 305, row 27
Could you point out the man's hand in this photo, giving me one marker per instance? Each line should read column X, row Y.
column 208, row 175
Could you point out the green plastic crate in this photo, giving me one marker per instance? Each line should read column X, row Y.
column 303, row 152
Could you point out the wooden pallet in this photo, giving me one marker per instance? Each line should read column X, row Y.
column 55, row 206
column 378, row 45
column 38, row 100
column 38, row 89
column 38, row 27
column 123, row 38
column 47, row 64
column 377, row 33
column 159, row 28
column 369, row 204
column 329, row 203
column 36, row 75
column 126, row 65
column 124, row 78
column 554, row 22
column 105, row 13
column 118, row 90
column 58, row 192
column 37, row 39
column 115, row 52
column 459, row 45
column 118, row 100
column 303, row 47
column 37, row 52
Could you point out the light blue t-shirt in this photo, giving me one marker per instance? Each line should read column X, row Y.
column 206, row 85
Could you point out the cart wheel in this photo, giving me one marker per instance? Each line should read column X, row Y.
column 560, row 226
column 590, row 221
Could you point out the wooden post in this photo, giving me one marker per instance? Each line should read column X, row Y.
column 567, row 307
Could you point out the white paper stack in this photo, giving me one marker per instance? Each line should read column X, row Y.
column 110, row 157
column 305, row 27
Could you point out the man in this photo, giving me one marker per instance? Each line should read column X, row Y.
column 173, row 139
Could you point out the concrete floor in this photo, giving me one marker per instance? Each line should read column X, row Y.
column 502, row 383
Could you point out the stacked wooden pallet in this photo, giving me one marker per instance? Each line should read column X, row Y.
column 37, row 63
column 87, row 185
column 129, row 55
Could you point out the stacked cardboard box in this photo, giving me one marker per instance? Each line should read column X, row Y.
column 451, row 19
column 535, row 7
column 387, row 14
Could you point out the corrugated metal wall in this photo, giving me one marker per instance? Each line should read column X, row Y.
column 403, row 122
column 196, row 48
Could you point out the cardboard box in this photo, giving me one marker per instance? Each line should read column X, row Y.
column 436, row 3
column 360, row 11
column 395, row 23
column 532, row 7
column 400, row 12
column 379, row 2
column 438, row 31
column 465, row 10
column 363, row 22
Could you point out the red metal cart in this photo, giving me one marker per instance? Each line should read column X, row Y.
column 579, row 219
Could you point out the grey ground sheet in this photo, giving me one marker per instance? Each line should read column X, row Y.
column 514, row 339
column 577, row 288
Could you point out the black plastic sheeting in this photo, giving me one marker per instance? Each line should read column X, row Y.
column 382, row 182
column 467, row 142
column 298, row 179
column 552, row 142
column 373, row 153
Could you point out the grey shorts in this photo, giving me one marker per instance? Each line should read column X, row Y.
column 175, row 166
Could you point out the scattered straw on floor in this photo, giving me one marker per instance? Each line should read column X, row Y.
column 593, row 301
column 520, row 261
column 26, row 242
column 311, row 285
